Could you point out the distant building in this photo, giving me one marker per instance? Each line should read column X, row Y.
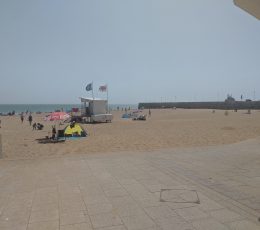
column 230, row 99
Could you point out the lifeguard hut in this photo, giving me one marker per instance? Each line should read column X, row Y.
column 95, row 110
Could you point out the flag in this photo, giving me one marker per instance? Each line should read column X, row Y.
column 103, row 88
column 89, row 87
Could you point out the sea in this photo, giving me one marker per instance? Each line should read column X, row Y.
column 19, row 108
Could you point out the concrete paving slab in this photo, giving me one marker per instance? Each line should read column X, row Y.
column 46, row 225
column 119, row 227
column 206, row 224
column 138, row 222
column 243, row 224
column 44, row 215
column 225, row 215
column 174, row 222
column 74, row 217
column 98, row 208
column 192, row 213
column 80, row 226
column 160, row 212
column 108, row 219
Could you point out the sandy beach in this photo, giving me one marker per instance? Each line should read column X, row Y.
column 166, row 128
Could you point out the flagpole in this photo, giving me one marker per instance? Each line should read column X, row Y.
column 107, row 98
column 92, row 90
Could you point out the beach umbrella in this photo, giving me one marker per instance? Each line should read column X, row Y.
column 57, row 116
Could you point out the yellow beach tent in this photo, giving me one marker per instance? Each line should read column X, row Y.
column 74, row 130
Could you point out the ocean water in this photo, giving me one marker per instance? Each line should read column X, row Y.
column 18, row 108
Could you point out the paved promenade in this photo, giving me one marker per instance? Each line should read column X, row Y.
column 213, row 188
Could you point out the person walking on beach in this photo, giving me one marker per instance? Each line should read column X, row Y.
column 53, row 133
column 22, row 117
column 30, row 119
column 150, row 113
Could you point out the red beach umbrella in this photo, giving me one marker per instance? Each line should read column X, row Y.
column 57, row 116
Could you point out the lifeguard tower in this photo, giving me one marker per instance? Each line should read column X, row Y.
column 95, row 110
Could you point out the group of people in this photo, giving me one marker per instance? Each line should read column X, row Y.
column 37, row 126
column 30, row 118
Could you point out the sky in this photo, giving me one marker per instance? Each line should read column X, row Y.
column 144, row 50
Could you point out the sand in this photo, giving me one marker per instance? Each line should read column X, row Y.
column 165, row 129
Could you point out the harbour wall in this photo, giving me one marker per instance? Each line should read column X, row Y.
column 202, row 105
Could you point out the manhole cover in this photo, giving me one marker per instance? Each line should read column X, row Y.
column 179, row 196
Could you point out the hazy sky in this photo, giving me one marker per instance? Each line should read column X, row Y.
column 145, row 50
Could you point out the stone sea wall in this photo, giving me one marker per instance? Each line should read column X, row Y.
column 202, row 105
